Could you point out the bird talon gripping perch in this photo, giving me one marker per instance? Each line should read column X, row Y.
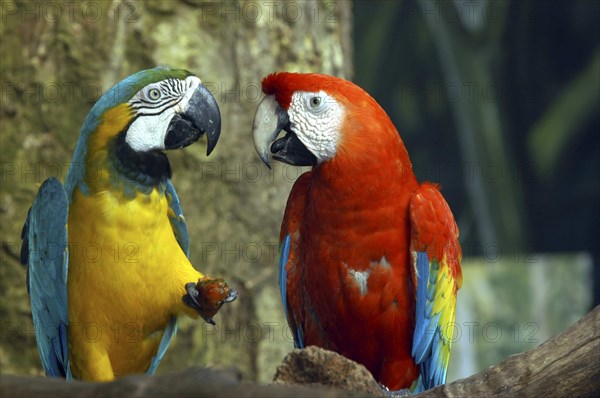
column 207, row 296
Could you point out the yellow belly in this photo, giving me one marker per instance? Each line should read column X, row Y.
column 126, row 279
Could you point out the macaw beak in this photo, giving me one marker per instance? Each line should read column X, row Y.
column 202, row 116
column 269, row 120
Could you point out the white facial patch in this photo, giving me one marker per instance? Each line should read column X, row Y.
column 148, row 133
column 316, row 118
column 155, row 105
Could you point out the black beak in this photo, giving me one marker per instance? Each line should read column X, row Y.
column 270, row 119
column 202, row 116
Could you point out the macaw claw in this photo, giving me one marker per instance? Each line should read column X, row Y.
column 207, row 296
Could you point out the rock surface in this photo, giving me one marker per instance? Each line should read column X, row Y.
column 314, row 366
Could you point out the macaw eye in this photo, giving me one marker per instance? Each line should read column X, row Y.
column 154, row 94
column 314, row 102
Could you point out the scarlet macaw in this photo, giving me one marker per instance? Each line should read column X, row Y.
column 369, row 258
column 107, row 253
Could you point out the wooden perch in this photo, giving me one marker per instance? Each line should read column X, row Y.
column 192, row 383
column 567, row 365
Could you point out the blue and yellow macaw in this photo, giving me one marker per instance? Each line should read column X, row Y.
column 107, row 253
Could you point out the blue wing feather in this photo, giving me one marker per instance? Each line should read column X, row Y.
column 427, row 339
column 45, row 253
column 421, row 339
column 177, row 219
column 168, row 335
column 284, row 255
column 437, row 274
column 183, row 238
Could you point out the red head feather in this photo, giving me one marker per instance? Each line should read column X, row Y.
column 284, row 84
column 365, row 120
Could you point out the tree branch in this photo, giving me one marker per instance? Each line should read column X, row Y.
column 567, row 365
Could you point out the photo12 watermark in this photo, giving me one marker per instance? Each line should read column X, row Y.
column 268, row 11
column 69, row 11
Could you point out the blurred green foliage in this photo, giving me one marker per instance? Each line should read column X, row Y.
column 499, row 102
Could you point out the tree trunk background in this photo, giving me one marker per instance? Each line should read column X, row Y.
column 56, row 60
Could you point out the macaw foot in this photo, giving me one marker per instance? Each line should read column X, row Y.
column 405, row 392
column 207, row 296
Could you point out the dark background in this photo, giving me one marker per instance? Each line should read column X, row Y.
column 526, row 79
